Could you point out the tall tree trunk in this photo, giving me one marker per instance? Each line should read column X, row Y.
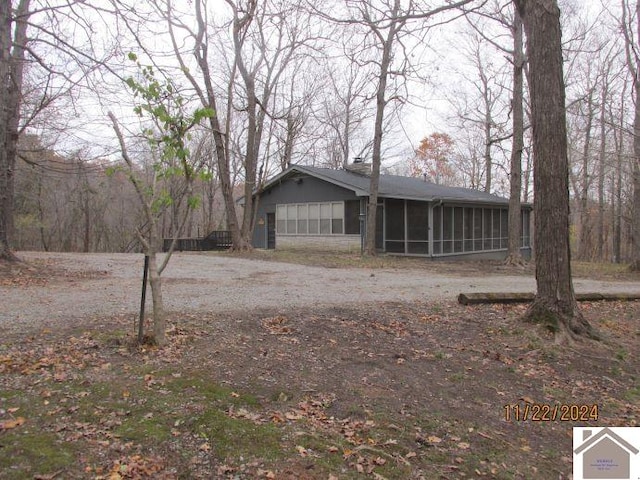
column 6, row 207
column 555, row 305
column 11, row 72
column 201, row 52
column 240, row 26
column 635, row 218
column 599, row 254
column 585, row 230
column 514, row 257
column 633, row 64
column 381, row 103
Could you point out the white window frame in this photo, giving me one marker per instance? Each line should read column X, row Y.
column 294, row 207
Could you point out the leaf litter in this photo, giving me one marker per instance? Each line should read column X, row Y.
column 391, row 390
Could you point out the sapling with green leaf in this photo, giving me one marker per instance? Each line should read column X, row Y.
column 167, row 123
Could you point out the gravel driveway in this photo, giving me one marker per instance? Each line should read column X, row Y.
column 204, row 283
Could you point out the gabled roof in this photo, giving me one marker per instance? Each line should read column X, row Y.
column 605, row 432
column 391, row 186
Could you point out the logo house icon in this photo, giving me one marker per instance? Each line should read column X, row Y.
column 606, row 454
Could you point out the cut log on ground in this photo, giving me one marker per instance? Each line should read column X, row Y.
column 478, row 298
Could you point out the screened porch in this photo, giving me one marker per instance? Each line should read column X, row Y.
column 413, row 227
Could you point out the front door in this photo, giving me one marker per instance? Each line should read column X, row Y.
column 271, row 231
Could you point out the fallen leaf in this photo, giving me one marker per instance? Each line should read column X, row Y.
column 9, row 424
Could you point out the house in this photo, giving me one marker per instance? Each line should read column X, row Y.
column 605, row 455
column 321, row 208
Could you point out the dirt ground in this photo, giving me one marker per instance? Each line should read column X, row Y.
column 417, row 388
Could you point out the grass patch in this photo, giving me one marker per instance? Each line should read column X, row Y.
column 237, row 439
column 30, row 452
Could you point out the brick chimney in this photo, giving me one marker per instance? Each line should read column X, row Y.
column 359, row 166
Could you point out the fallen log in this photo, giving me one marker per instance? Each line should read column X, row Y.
column 526, row 297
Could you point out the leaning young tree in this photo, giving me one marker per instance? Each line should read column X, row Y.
column 555, row 304
column 167, row 137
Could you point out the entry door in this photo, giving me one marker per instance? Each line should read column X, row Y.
column 271, row 231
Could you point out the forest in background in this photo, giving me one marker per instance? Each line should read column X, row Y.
column 314, row 80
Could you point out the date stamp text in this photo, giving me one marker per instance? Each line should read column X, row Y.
column 548, row 412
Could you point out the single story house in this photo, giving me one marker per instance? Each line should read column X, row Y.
column 322, row 208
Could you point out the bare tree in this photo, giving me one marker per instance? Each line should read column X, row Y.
column 383, row 35
column 12, row 57
column 555, row 305
column 631, row 34
column 514, row 256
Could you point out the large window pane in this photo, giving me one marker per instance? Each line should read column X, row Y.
column 291, row 218
column 314, row 218
column 281, row 219
column 325, row 218
column 337, row 210
column 337, row 216
column 302, row 218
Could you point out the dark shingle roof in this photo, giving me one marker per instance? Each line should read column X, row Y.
column 394, row 186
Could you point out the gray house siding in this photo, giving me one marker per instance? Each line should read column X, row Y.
column 294, row 189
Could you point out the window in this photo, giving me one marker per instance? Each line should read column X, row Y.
column 291, row 218
column 302, row 218
column 310, row 218
column 314, row 218
column 337, row 217
column 281, row 219
column 325, row 218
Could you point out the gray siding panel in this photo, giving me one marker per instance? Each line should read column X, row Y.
column 297, row 189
